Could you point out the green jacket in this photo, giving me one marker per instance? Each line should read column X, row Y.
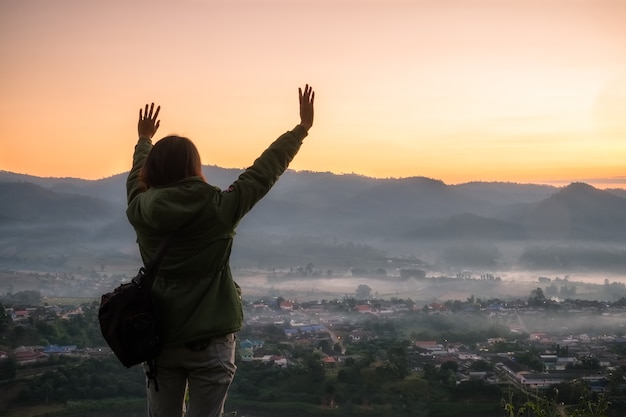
column 194, row 289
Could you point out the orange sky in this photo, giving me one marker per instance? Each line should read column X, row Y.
column 457, row 90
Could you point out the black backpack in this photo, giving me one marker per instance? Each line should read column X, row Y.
column 129, row 319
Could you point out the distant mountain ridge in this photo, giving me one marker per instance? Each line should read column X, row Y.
column 410, row 215
column 28, row 202
column 313, row 203
column 579, row 211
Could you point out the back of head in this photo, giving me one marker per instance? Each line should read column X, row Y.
column 171, row 159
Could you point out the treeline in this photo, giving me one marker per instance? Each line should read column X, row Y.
column 572, row 257
column 113, row 407
column 93, row 379
column 43, row 328
column 24, row 298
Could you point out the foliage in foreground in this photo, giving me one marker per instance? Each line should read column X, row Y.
column 94, row 379
column 543, row 407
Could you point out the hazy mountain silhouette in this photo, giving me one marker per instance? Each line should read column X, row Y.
column 326, row 204
column 25, row 202
column 309, row 213
column 578, row 211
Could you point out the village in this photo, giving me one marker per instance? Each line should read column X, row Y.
column 532, row 344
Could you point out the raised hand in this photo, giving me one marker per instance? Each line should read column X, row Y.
column 148, row 123
column 306, row 106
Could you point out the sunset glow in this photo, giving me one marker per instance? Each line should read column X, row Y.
column 530, row 91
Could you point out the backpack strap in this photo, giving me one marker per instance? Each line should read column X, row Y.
column 151, row 373
column 153, row 267
column 144, row 281
column 147, row 274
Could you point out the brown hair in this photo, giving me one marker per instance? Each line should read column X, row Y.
column 171, row 159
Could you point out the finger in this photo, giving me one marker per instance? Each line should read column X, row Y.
column 156, row 114
column 151, row 110
column 145, row 112
column 300, row 95
column 156, row 126
column 140, row 115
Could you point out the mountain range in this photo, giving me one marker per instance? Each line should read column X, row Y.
column 409, row 216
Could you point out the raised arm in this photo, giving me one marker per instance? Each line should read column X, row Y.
column 148, row 122
column 147, row 126
column 257, row 180
column 306, row 106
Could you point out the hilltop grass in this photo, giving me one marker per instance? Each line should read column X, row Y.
column 118, row 407
column 32, row 410
column 303, row 409
column 452, row 409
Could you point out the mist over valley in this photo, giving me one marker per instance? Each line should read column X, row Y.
column 321, row 235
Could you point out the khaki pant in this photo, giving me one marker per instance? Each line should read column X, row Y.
column 206, row 374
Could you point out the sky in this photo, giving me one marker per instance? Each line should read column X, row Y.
column 527, row 91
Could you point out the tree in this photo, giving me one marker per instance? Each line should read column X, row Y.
column 449, row 365
column 8, row 367
column 5, row 320
column 27, row 297
column 537, row 298
column 363, row 292
column 529, row 359
column 314, row 367
column 481, row 366
column 397, row 362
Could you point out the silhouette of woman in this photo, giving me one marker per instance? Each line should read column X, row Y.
column 198, row 301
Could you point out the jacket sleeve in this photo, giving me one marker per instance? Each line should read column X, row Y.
column 257, row 180
column 133, row 183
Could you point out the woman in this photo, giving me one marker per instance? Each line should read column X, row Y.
column 199, row 303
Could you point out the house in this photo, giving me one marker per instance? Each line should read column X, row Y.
column 538, row 337
column 329, row 361
column 275, row 360
column 59, row 350
column 358, row 335
column 545, row 380
column 251, row 344
column 437, row 307
column 316, row 328
column 563, row 363
column 549, row 361
column 286, row 305
column 20, row 315
column 247, row 348
column 429, row 346
column 246, row 355
column 280, row 361
column 291, row 332
column 23, row 357
column 363, row 308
